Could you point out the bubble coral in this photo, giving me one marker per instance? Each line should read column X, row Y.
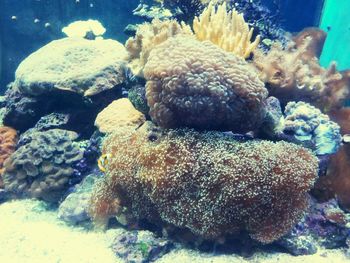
column 8, row 141
column 148, row 36
column 226, row 29
column 42, row 165
column 200, row 85
column 205, row 182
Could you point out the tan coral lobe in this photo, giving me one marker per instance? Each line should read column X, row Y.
column 118, row 114
column 200, row 85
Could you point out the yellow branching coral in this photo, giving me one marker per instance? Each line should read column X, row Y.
column 148, row 36
column 227, row 29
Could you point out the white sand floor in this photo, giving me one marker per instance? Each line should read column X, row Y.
column 31, row 234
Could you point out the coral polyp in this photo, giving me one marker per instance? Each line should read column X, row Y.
column 205, row 182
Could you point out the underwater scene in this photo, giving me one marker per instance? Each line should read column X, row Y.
column 174, row 131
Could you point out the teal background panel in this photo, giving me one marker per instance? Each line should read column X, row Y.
column 335, row 21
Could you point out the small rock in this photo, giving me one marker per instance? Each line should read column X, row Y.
column 74, row 208
column 3, row 195
column 52, row 121
column 140, row 246
column 298, row 245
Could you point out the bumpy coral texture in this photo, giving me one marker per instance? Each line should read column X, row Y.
column 73, row 64
column 148, row 36
column 118, row 114
column 227, row 29
column 42, row 166
column 200, row 85
column 8, row 141
column 206, row 182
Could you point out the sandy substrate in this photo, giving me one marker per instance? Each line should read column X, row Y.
column 182, row 255
column 31, row 234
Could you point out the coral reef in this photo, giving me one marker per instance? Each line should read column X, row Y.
column 302, row 124
column 202, row 86
column 8, row 141
column 205, row 182
column 72, row 64
column 236, row 138
column 118, row 114
column 226, row 29
column 274, row 119
column 293, row 73
column 317, row 38
column 148, row 36
column 23, row 111
column 43, row 165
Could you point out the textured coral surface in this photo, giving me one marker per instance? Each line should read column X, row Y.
column 206, row 182
column 118, row 114
column 73, row 64
column 200, row 85
column 294, row 73
column 8, row 141
column 148, row 36
column 42, row 166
